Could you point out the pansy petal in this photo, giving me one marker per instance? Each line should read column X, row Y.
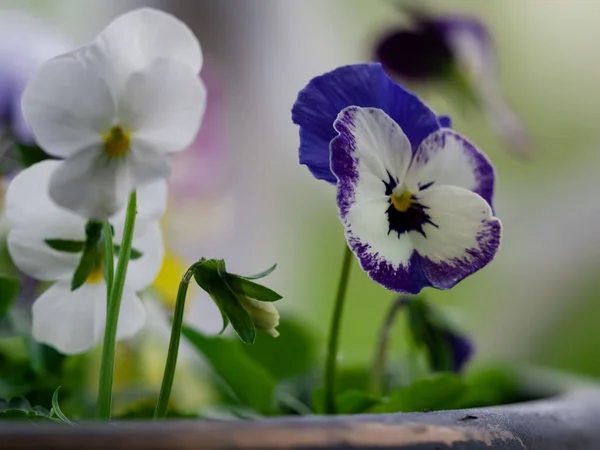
column 137, row 38
column 388, row 258
column 447, row 158
column 420, row 54
column 132, row 316
column 369, row 151
column 73, row 321
column 365, row 85
column 445, row 121
column 470, row 42
column 475, row 52
column 142, row 271
column 92, row 184
column 151, row 206
column 461, row 237
column 164, row 105
column 33, row 218
column 31, row 254
column 68, row 106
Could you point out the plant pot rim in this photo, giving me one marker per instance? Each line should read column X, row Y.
column 569, row 420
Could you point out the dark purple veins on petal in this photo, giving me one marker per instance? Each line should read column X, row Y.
column 413, row 219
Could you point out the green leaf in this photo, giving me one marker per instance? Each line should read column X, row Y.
column 221, row 268
column 251, row 383
column 135, row 254
column 66, row 245
column 292, row 354
column 230, row 306
column 31, row 154
column 250, row 289
column 19, row 403
column 493, row 385
column 19, row 408
column 93, row 233
column 261, row 274
column 317, row 400
column 87, row 264
column 207, row 277
column 225, row 320
column 437, row 392
column 428, row 328
column 57, row 410
column 90, row 256
column 9, row 289
column 355, row 401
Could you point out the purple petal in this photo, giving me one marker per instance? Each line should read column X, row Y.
column 422, row 54
column 445, row 121
column 447, row 273
column 461, row 350
column 365, row 85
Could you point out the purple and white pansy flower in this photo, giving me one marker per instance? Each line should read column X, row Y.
column 414, row 196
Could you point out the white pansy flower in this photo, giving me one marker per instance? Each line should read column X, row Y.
column 73, row 321
column 116, row 109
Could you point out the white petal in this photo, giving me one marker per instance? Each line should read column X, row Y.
column 367, row 226
column 447, row 158
column 147, row 164
column 462, row 238
column 74, row 321
column 151, row 206
column 68, row 106
column 34, row 217
column 163, row 105
column 143, row 271
column 92, row 184
column 370, row 146
column 132, row 316
column 135, row 39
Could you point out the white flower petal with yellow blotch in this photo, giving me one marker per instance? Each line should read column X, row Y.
column 73, row 321
column 116, row 109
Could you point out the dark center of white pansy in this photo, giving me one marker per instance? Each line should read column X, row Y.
column 405, row 213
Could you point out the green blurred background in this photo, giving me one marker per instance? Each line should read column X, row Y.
column 537, row 303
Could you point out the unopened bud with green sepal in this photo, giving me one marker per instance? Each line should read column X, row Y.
column 243, row 303
column 264, row 315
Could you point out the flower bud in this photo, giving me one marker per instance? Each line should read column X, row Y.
column 264, row 314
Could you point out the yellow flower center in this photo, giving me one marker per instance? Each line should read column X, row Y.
column 95, row 276
column 116, row 142
column 402, row 202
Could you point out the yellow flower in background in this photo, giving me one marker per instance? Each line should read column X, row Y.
column 167, row 281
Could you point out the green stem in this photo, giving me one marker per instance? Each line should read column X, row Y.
column 334, row 334
column 167, row 382
column 112, row 315
column 109, row 258
column 379, row 361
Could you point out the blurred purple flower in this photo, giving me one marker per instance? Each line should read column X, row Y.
column 25, row 43
column 461, row 349
column 457, row 50
column 445, row 346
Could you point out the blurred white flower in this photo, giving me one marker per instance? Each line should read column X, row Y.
column 116, row 109
column 73, row 321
